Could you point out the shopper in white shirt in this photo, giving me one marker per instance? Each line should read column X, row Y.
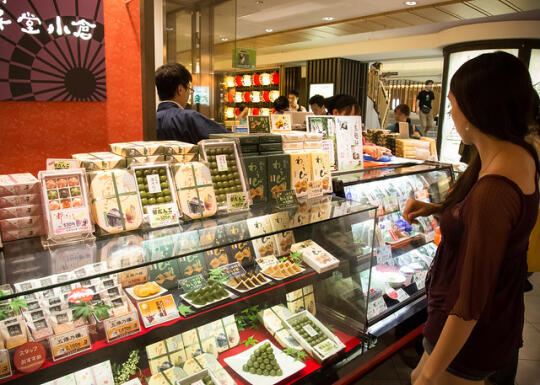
column 293, row 102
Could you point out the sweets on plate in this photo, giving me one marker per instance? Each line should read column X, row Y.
column 263, row 362
column 207, row 295
column 282, row 270
column 247, row 281
column 146, row 290
column 196, row 195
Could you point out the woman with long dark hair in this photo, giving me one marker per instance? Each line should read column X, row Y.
column 475, row 286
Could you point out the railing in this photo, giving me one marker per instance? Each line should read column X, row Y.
column 378, row 93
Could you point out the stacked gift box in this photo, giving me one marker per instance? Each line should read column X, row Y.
column 255, row 144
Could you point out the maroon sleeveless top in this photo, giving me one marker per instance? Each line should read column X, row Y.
column 480, row 270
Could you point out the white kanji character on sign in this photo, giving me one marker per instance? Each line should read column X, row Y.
column 30, row 19
column 84, row 29
column 2, row 21
column 59, row 29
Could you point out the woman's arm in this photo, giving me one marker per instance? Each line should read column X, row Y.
column 455, row 333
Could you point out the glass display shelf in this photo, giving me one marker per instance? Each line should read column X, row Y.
column 30, row 268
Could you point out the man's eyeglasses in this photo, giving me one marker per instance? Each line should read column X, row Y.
column 190, row 89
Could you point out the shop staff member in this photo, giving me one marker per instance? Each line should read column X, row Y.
column 423, row 104
column 173, row 83
column 316, row 102
column 293, row 102
column 281, row 105
column 401, row 114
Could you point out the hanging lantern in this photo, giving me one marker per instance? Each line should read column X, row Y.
column 236, row 111
column 238, row 97
column 247, row 97
column 229, row 81
column 255, row 111
column 256, row 97
column 238, row 80
column 266, row 96
column 256, row 80
column 266, row 79
column 229, row 113
column 274, row 95
column 230, row 96
column 275, row 78
column 246, row 80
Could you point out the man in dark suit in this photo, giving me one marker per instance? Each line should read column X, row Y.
column 173, row 83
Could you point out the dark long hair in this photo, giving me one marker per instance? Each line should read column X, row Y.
column 343, row 103
column 495, row 94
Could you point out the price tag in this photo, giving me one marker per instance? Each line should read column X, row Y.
column 5, row 364
column 315, row 189
column 221, row 161
column 122, row 326
column 420, row 279
column 286, row 199
column 325, row 348
column 429, row 236
column 154, row 184
column 309, row 330
column 192, row 283
column 69, row 344
column 384, row 255
column 158, row 310
column 376, row 307
column 401, row 295
column 164, row 214
column 264, row 262
column 62, row 164
column 233, row 269
column 237, row 202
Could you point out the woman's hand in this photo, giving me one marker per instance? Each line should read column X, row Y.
column 374, row 151
column 414, row 209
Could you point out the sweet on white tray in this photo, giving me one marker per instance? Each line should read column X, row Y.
column 130, row 292
column 288, row 365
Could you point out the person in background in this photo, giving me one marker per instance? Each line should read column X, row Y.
column 476, row 282
column 293, row 102
column 281, row 105
column 346, row 105
column 244, row 111
column 316, row 102
column 423, row 106
column 173, row 83
column 401, row 114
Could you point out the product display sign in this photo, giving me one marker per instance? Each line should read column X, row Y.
column 69, row 344
column 376, row 307
column 237, row 202
column 158, row 310
column 62, row 164
column 5, row 364
column 258, row 124
column 164, row 214
column 420, row 279
column 286, row 199
column 192, row 283
column 28, row 357
column 233, row 270
column 52, row 50
column 244, row 58
column 122, row 326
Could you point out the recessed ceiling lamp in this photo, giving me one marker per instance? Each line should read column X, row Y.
column 223, row 38
column 410, row 3
column 328, row 18
column 260, row 2
column 269, row 30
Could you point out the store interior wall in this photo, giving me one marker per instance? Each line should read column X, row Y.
column 32, row 131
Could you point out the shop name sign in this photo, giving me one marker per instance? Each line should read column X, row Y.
column 54, row 50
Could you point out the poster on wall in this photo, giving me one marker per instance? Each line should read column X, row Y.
column 52, row 50
column 244, row 58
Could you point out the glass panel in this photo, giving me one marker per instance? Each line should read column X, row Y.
column 534, row 69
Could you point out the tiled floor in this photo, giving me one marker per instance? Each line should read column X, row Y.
column 395, row 372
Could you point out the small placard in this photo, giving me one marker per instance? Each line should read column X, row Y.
column 29, row 357
column 420, row 279
column 384, row 255
column 315, row 189
column 429, row 236
column 390, row 203
column 376, row 307
column 325, row 348
column 237, row 201
column 62, row 164
column 192, row 283
column 401, row 295
column 233, row 269
column 164, row 214
column 221, row 161
column 258, row 124
column 5, row 364
column 286, row 199
column 264, row 262
column 154, row 184
column 158, row 310
column 122, row 326
column 69, row 344
column 310, row 331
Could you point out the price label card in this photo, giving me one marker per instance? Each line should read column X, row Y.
column 122, row 326
column 192, row 283
column 286, row 199
column 315, row 189
column 401, row 295
column 5, row 364
column 164, row 214
column 429, row 236
column 390, row 203
column 233, row 269
column 221, row 161
column 420, row 279
column 237, row 202
column 69, row 344
column 264, row 262
column 158, row 310
column 154, row 184
column 62, row 164
column 325, row 348
column 310, row 331
column 376, row 307
column 384, row 255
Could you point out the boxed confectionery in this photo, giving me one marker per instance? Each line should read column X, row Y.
column 272, row 319
column 257, row 177
column 278, row 168
column 283, row 239
column 18, row 184
column 264, row 245
column 115, row 204
column 182, row 158
column 315, row 256
column 173, row 147
column 300, row 173
column 21, row 211
column 134, row 149
column 301, row 299
column 270, row 147
column 100, row 161
column 321, row 170
column 93, row 375
column 195, row 191
column 20, row 200
column 145, row 159
column 20, row 223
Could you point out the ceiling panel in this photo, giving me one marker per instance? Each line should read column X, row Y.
column 493, row 7
column 369, row 25
column 390, row 21
column 434, row 15
column 524, row 5
column 461, row 10
column 410, row 18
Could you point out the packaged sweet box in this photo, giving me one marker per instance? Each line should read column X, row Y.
column 195, row 191
column 20, row 211
column 20, row 223
column 100, row 161
column 315, row 256
column 173, row 147
column 18, row 184
column 272, row 319
column 133, row 149
column 20, row 200
column 279, row 174
column 256, row 173
column 145, row 159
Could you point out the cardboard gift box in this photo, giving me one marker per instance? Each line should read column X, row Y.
column 279, row 174
column 18, row 184
column 140, row 148
column 19, row 200
column 300, row 173
column 302, row 299
column 174, row 147
column 195, row 191
column 20, row 211
column 20, row 223
column 100, row 161
column 257, row 176
column 166, row 353
column 182, row 158
column 273, row 320
column 145, row 159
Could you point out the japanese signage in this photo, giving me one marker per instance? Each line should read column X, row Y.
column 244, row 58
column 165, row 214
column 119, row 327
column 69, row 344
column 237, row 202
column 192, row 283
column 267, row 261
column 5, row 364
column 28, row 357
column 285, row 199
column 62, row 164
column 420, row 279
column 233, row 270
column 158, row 310
column 376, row 307
column 52, row 50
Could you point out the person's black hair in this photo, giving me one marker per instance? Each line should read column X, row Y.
column 428, row 82
column 343, row 103
column 495, row 93
column 281, row 104
column 294, row 92
column 404, row 109
column 241, row 106
column 169, row 77
column 316, row 99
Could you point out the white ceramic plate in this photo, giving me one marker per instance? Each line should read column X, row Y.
column 288, row 365
column 183, row 296
column 129, row 290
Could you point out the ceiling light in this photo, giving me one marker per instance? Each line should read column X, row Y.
column 259, row 2
column 223, row 38
column 269, row 30
column 410, row 3
column 328, row 18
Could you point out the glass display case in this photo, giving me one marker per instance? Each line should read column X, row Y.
column 265, row 295
column 395, row 277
